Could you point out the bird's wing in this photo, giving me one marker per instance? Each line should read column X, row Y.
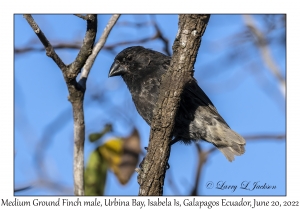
column 201, row 99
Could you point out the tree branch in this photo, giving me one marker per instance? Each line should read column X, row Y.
column 185, row 49
column 90, row 61
column 84, row 17
column 87, row 47
column 265, row 52
column 265, row 136
column 158, row 35
column 22, row 189
column 202, row 157
column 76, row 92
column 50, row 52
column 76, row 98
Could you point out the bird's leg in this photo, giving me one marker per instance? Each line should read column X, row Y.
column 173, row 141
column 141, row 163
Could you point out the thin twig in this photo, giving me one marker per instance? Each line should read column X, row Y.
column 87, row 46
column 139, row 41
column 90, row 61
column 48, row 47
column 47, row 138
column 55, row 46
column 262, row 137
column 202, row 158
column 160, row 36
column 22, row 189
column 265, row 51
column 85, row 17
column 173, row 186
column 132, row 24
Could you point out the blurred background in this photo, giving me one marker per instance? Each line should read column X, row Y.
column 241, row 65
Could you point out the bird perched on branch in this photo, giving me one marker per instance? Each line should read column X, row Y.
column 197, row 117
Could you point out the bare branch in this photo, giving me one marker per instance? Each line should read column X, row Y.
column 262, row 137
column 202, row 158
column 90, row 61
column 78, row 45
column 85, row 17
column 55, row 186
column 55, row 46
column 138, row 41
column 160, row 36
column 185, row 48
column 48, row 47
column 265, row 51
column 132, row 24
column 157, row 35
column 45, row 141
column 87, row 47
column 76, row 92
column 173, row 186
column 22, row 189
column 76, row 98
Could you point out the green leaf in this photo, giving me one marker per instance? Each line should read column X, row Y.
column 95, row 174
column 95, row 136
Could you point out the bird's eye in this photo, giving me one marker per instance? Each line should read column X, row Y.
column 129, row 58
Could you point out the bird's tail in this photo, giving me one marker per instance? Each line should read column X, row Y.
column 229, row 142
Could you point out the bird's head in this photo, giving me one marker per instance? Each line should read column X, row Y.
column 129, row 61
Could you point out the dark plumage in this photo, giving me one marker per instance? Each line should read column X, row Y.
column 197, row 118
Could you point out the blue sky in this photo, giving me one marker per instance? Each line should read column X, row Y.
column 243, row 90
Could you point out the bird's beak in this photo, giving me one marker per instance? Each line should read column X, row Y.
column 116, row 69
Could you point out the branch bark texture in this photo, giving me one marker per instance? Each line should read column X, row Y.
column 185, row 48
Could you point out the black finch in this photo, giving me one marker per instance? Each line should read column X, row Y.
column 197, row 117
